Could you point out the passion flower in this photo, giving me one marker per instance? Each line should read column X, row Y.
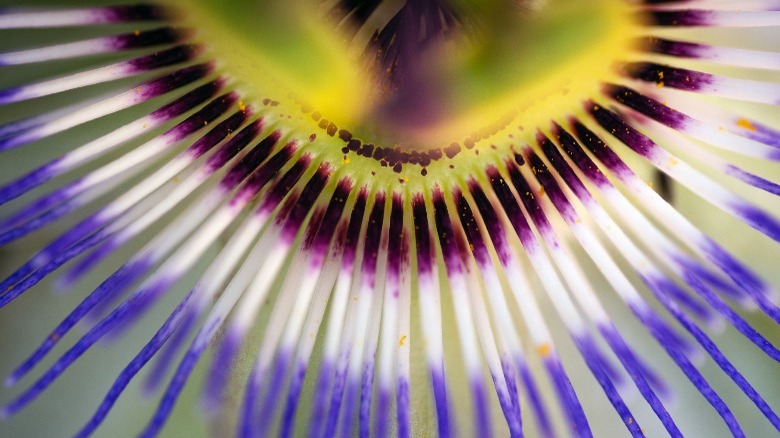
column 351, row 191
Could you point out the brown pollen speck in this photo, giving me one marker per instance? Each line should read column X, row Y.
column 332, row 128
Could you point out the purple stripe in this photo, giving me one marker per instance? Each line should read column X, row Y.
column 183, row 129
column 319, row 244
column 758, row 219
column 510, row 206
column 216, row 135
column 179, row 379
column 618, row 127
column 532, row 206
column 353, row 231
column 276, row 381
column 642, row 145
column 578, row 422
column 684, row 298
column 135, row 365
column 674, row 48
column 281, row 187
column 40, row 206
column 671, row 338
column 580, row 159
column 10, row 95
column 562, row 167
column 439, row 384
column 112, row 286
column 676, row 119
column 721, row 284
column 382, row 419
column 470, row 226
column 220, row 370
column 665, row 2
column 139, row 12
column 667, row 76
column 11, row 293
column 290, row 197
column 75, row 234
column 728, row 368
column 332, row 400
column 739, row 273
column 656, row 382
column 537, row 403
column 338, row 392
column 115, row 43
column 647, row 106
column 21, row 126
column 446, row 233
column 232, row 147
column 43, row 203
column 313, row 229
column 72, row 17
column 171, row 82
column 147, row 38
column 20, row 274
column 340, row 233
column 143, row 92
column 141, row 299
column 366, row 395
column 730, row 266
column 74, row 274
column 373, row 237
column 490, row 219
column 172, row 348
column 320, row 402
column 293, row 396
column 163, row 58
column 187, row 101
column 422, row 236
column 762, row 133
column 612, row 372
column 403, row 406
column 693, row 374
column 256, row 177
column 204, row 116
column 304, row 203
column 601, row 150
column 508, row 400
column 689, row 17
column 753, row 180
column 510, row 410
column 347, row 427
column 249, row 406
column 158, row 60
column 592, row 357
column 638, row 374
column 693, row 280
column 38, row 222
column 406, row 257
column 396, row 239
column 479, row 402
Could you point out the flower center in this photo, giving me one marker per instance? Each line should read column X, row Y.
column 501, row 61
